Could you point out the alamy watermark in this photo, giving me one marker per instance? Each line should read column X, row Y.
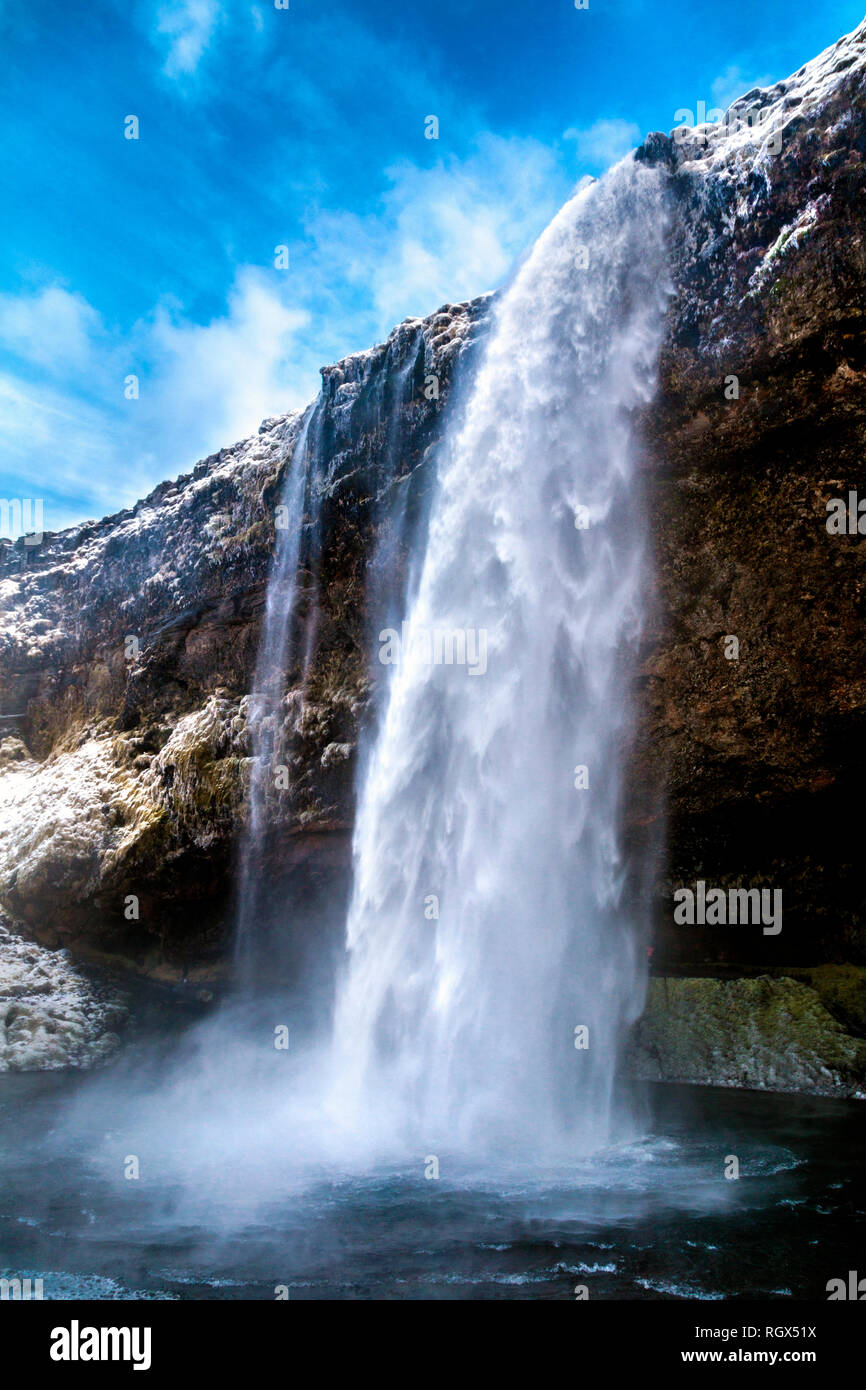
column 846, row 517
column 21, row 516
column 854, row 1288
column 77, row 1343
column 459, row 646
column 713, row 907
column 758, row 120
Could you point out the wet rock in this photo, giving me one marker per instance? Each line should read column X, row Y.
column 762, row 1033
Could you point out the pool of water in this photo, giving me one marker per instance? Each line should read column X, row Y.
column 653, row 1218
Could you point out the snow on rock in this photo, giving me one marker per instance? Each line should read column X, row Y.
column 60, row 819
column 51, row 1014
column 758, row 125
column 763, row 249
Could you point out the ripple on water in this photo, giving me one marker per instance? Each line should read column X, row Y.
column 62, row 1285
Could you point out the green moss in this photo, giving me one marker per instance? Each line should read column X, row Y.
column 841, row 989
column 150, row 839
column 779, row 289
column 771, row 1033
column 259, row 534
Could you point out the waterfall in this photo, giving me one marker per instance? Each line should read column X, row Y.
column 278, row 653
column 288, row 641
column 493, row 955
column 492, row 965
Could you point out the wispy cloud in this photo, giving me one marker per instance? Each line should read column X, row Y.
column 70, row 435
column 49, row 327
column 445, row 232
column 735, row 82
column 58, row 448
column 185, row 28
column 604, row 142
column 214, row 382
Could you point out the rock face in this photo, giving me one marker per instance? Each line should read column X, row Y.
column 761, row 758
column 128, row 645
column 762, row 1033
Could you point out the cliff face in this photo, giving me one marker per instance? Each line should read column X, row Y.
column 762, row 757
column 128, row 645
column 128, row 655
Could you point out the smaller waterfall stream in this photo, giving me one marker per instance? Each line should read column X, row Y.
column 290, row 632
column 276, row 657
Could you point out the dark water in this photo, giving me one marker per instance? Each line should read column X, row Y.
column 654, row 1219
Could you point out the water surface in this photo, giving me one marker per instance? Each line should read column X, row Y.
column 651, row 1219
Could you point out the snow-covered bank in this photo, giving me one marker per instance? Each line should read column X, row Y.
column 51, row 1014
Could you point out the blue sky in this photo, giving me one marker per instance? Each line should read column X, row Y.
column 306, row 128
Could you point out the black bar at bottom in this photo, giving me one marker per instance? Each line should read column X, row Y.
column 220, row 1339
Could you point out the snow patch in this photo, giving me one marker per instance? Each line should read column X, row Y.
column 51, row 1014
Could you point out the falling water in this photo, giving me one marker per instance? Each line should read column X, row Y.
column 276, row 656
column 492, row 965
column 288, row 640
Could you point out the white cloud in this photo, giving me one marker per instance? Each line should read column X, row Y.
column 188, row 27
column 50, row 327
column 201, row 386
column 54, row 444
column 735, row 82
column 217, row 381
column 444, row 233
column 604, row 142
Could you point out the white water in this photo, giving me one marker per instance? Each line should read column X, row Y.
column 276, row 656
column 460, row 1031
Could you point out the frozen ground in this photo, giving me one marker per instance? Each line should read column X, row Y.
column 51, row 1014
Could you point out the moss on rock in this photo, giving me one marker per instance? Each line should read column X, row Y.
column 762, row 1033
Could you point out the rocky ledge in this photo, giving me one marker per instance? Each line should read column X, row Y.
column 762, row 1033
column 52, row 1014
